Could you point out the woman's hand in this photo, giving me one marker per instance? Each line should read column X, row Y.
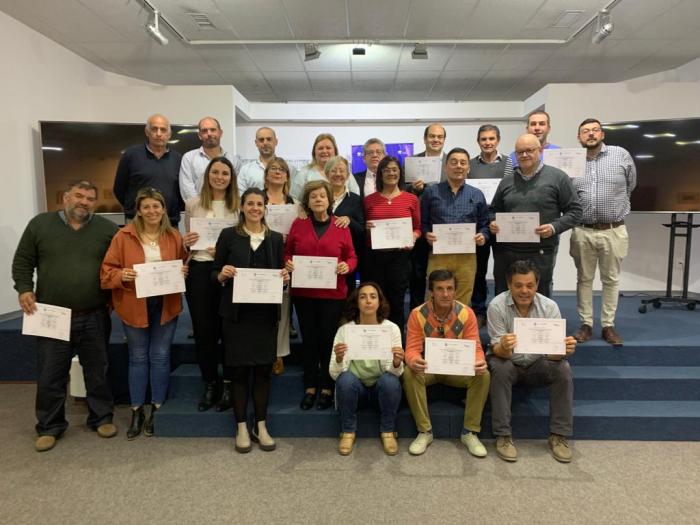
column 285, row 275
column 342, row 221
column 289, row 266
column 128, row 275
column 211, row 251
column 340, row 350
column 227, row 272
column 369, row 225
column 342, row 268
column 397, row 352
column 190, row 238
column 185, row 270
column 479, row 239
column 431, row 238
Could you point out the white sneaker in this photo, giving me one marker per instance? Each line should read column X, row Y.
column 420, row 444
column 475, row 447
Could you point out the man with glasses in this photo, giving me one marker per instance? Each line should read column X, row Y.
column 538, row 124
column 252, row 175
column 601, row 240
column 533, row 187
column 443, row 317
column 373, row 152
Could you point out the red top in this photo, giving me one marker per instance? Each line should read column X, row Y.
column 336, row 242
column 378, row 207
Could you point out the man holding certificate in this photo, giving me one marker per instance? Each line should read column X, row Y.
column 455, row 219
column 533, row 188
column 439, row 319
column 522, row 322
column 66, row 249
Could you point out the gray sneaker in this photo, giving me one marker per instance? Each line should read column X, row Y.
column 505, row 448
column 559, row 447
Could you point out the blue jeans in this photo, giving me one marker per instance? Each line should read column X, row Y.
column 350, row 393
column 149, row 352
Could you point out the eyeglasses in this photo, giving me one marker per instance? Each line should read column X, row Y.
column 523, row 152
column 275, row 169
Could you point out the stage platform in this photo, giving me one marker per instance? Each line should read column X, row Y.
column 647, row 390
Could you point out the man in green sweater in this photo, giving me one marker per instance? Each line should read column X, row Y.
column 66, row 249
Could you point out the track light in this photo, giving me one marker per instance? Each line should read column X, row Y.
column 420, row 52
column 154, row 30
column 311, row 52
column 603, row 27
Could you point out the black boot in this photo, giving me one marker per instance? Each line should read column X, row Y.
column 148, row 427
column 208, row 396
column 226, row 400
column 136, row 423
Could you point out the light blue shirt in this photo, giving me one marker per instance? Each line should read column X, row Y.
column 194, row 164
column 252, row 175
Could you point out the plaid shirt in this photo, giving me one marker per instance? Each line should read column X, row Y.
column 605, row 191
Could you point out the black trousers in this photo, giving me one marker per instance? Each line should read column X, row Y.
column 318, row 322
column 391, row 269
column 89, row 334
column 203, row 296
column 544, row 259
column 480, row 293
column 419, row 268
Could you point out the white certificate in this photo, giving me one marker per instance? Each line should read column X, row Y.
column 48, row 321
column 159, row 278
column 427, row 169
column 392, row 233
column 454, row 238
column 487, row 187
column 208, row 230
column 279, row 217
column 314, row 272
column 571, row 161
column 517, row 227
column 540, row 336
column 257, row 285
column 368, row 342
column 452, row 357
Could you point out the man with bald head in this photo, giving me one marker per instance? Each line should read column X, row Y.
column 252, row 175
column 152, row 164
column 533, row 187
column 195, row 162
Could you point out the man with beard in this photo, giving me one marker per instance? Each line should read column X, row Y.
column 195, row 161
column 604, row 193
column 66, row 249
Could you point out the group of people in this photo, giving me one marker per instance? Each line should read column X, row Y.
column 85, row 263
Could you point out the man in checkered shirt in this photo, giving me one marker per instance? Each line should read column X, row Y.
column 604, row 193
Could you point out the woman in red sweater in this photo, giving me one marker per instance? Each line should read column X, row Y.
column 390, row 269
column 319, row 309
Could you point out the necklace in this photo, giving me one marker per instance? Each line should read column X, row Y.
column 151, row 241
column 392, row 195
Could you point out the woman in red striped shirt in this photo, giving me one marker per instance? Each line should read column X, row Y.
column 391, row 268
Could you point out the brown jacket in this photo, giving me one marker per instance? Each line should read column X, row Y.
column 124, row 252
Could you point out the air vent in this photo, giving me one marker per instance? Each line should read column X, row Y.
column 202, row 20
column 568, row 18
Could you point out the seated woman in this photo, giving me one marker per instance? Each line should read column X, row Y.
column 149, row 323
column 249, row 330
column 367, row 381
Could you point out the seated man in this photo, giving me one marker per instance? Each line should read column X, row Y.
column 443, row 316
column 507, row 369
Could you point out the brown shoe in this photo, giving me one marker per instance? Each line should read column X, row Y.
column 347, row 441
column 107, row 430
column 389, row 443
column 611, row 336
column 583, row 334
column 559, row 447
column 505, row 448
column 44, row 443
column 278, row 367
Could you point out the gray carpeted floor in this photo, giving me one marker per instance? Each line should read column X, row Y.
column 154, row 480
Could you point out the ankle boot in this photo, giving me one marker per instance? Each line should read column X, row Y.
column 243, row 439
column 262, row 437
column 148, row 426
column 226, row 400
column 208, row 396
column 136, row 424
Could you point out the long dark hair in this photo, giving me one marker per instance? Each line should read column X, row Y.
column 351, row 311
column 380, row 177
column 231, row 195
column 241, row 216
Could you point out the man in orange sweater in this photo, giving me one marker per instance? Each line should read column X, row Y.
column 443, row 317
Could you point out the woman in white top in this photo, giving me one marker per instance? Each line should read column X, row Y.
column 367, row 381
column 323, row 149
column 217, row 200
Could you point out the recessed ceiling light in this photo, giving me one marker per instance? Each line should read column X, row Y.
column 52, row 148
column 659, row 135
column 643, row 156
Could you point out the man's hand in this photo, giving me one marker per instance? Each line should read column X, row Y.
column 493, row 227
column 507, row 345
column 431, row 238
column 480, row 367
column 545, row 230
column 570, row 349
column 479, row 239
column 419, row 365
column 27, row 302
column 418, row 185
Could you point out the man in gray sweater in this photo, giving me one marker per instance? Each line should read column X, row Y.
column 533, row 187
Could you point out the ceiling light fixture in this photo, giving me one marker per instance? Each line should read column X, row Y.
column 359, row 51
column 603, row 27
column 420, row 52
column 154, row 30
column 659, row 135
column 311, row 52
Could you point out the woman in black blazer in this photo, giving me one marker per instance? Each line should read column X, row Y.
column 348, row 210
column 249, row 330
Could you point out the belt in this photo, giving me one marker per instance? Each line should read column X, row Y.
column 603, row 225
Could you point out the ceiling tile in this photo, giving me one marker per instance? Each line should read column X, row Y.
column 443, row 19
column 333, row 58
column 477, row 56
column 523, row 57
column 336, row 81
column 317, row 19
column 271, row 57
column 371, row 19
column 227, row 58
column 377, row 58
column 437, row 58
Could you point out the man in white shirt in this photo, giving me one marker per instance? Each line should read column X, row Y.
column 252, row 175
column 195, row 162
column 374, row 151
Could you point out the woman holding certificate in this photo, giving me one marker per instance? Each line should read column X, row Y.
column 361, row 380
column 215, row 207
column 250, row 327
column 320, row 255
column 391, row 264
column 348, row 211
column 150, row 319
